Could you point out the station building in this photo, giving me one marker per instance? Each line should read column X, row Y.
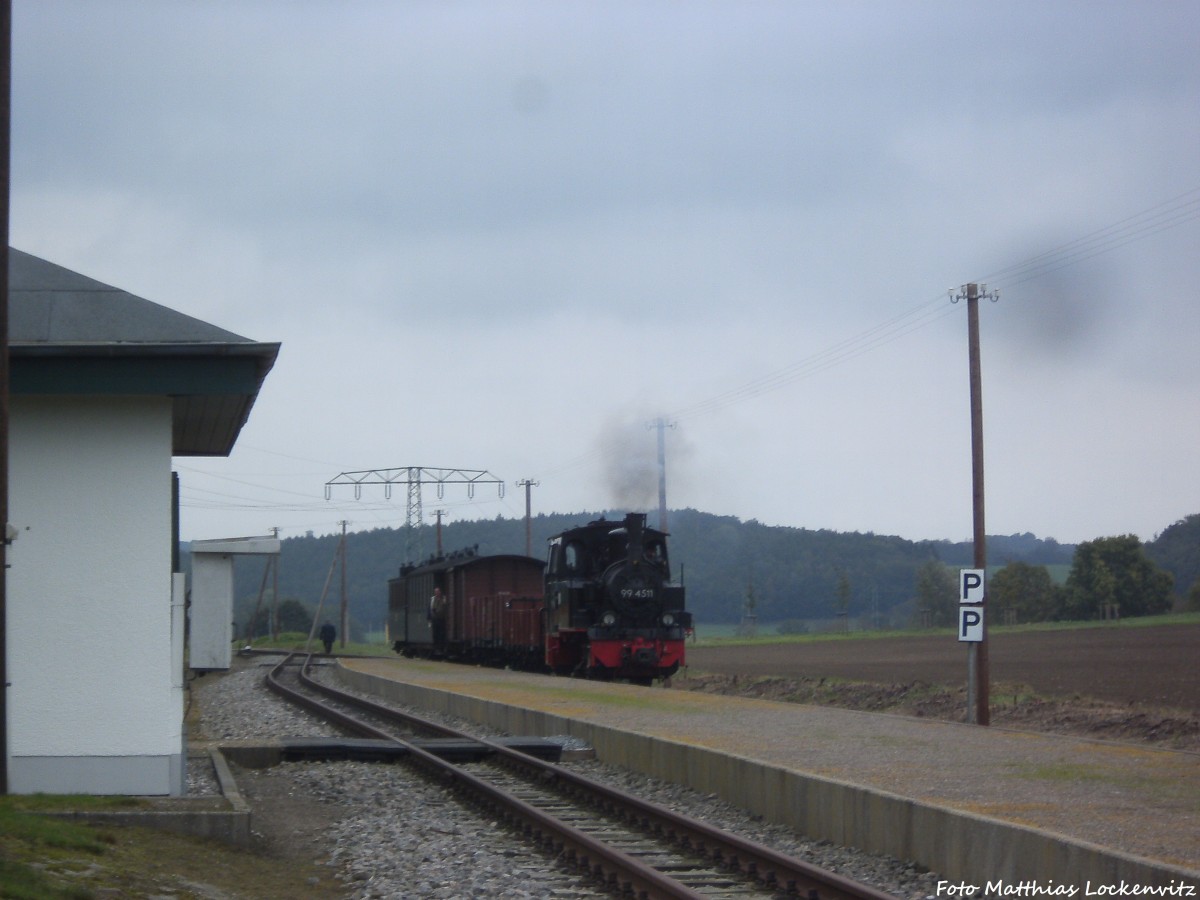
column 105, row 388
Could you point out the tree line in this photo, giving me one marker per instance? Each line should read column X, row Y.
column 1112, row 577
column 786, row 574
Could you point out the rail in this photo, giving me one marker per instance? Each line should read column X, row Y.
column 771, row 869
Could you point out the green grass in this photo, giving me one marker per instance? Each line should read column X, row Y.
column 22, row 882
column 27, row 836
column 601, row 696
column 1067, row 773
column 46, row 803
column 295, row 640
column 725, row 634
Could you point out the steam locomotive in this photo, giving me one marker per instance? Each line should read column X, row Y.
column 603, row 605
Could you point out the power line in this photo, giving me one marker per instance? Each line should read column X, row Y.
column 252, row 484
column 1171, row 213
column 832, row 356
column 1166, row 215
column 413, row 477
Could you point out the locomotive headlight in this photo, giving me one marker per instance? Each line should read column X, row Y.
column 668, row 620
column 609, row 619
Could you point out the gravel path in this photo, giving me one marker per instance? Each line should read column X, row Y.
column 387, row 834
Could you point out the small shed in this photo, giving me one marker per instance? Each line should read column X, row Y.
column 210, row 622
column 105, row 388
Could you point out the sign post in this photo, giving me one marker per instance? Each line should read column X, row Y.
column 972, row 590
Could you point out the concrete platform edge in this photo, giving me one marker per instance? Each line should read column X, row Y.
column 230, row 824
column 961, row 846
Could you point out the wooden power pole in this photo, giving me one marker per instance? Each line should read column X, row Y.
column 978, row 676
column 5, row 146
column 528, row 483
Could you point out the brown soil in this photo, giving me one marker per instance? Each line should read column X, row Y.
column 1116, row 682
column 290, row 837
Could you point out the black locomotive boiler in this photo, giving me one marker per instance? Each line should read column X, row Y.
column 611, row 608
column 603, row 605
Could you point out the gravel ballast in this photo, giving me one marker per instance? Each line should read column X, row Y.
column 391, row 834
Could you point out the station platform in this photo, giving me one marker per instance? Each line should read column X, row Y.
column 980, row 805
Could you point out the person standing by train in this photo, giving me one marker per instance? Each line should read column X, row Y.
column 437, row 616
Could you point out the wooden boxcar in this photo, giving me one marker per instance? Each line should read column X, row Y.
column 484, row 609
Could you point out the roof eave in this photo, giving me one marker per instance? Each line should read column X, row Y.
column 213, row 385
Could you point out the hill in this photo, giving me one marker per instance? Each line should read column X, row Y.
column 793, row 573
column 1177, row 550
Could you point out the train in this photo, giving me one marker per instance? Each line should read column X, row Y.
column 602, row 605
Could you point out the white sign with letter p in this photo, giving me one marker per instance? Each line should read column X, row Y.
column 970, row 585
column 970, row 623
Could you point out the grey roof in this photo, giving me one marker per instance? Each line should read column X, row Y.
column 70, row 334
column 52, row 305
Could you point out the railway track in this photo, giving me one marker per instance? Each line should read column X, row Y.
column 632, row 846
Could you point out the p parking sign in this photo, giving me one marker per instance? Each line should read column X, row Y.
column 970, row 623
column 970, row 585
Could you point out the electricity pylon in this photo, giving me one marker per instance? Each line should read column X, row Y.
column 413, row 477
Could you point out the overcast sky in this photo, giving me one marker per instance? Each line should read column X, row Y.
column 508, row 236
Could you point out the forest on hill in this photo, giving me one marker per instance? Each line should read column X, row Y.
column 729, row 566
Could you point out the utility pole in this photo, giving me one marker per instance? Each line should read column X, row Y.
column 275, row 588
column 438, row 533
column 345, row 626
column 662, row 424
column 413, row 477
column 5, row 171
column 978, row 712
column 528, row 483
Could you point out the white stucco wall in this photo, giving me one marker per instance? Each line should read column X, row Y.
column 211, row 623
column 94, row 705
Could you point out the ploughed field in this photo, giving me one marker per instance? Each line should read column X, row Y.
column 1115, row 681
